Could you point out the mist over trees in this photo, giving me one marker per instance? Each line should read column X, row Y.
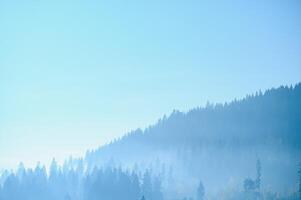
column 245, row 149
column 220, row 143
column 74, row 183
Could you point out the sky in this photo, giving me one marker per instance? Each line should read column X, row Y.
column 76, row 74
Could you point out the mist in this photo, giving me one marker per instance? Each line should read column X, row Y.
column 243, row 149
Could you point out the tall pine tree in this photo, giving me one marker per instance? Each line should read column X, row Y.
column 299, row 172
column 258, row 175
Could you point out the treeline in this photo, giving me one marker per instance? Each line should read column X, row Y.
column 78, row 184
column 269, row 118
column 69, row 183
column 225, row 138
column 217, row 145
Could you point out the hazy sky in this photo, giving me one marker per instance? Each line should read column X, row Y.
column 75, row 74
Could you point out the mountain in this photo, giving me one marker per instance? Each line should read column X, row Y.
column 219, row 143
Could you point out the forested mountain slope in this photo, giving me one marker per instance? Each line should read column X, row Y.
column 246, row 149
column 220, row 143
column 272, row 118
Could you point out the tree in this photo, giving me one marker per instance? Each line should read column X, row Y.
column 21, row 171
column 147, row 186
column 299, row 172
column 53, row 168
column 258, row 175
column 200, row 192
column 156, row 192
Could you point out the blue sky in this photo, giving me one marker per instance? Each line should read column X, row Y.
column 75, row 74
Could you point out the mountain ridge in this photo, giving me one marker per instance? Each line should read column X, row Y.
column 289, row 95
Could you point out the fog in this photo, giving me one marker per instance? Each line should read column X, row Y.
column 244, row 149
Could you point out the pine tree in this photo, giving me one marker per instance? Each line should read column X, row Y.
column 299, row 172
column 147, row 186
column 258, row 174
column 200, row 191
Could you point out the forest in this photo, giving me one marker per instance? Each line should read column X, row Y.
column 245, row 149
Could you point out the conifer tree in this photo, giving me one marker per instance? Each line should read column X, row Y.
column 258, row 174
column 200, row 191
column 299, row 172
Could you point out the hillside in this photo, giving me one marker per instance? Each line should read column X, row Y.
column 245, row 149
column 272, row 118
column 224, row 139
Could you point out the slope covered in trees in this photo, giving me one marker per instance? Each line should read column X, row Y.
column 221, row 142
column 272, row 118
column 245, row 149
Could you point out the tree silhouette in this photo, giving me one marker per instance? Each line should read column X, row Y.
column 258, row 174
column 299, row 172
column 200, row 191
